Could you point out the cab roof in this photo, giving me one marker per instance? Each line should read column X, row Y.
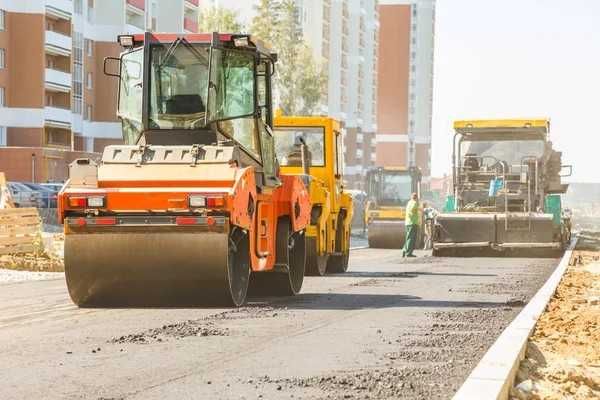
column 311, row 121
column 139, row 38
column 536, row 128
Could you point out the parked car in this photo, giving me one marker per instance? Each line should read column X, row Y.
column 54, row 186
column 24, row 196
column 47, row 195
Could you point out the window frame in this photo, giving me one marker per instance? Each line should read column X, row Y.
column 255, row 57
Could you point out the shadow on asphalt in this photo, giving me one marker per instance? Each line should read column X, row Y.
column 358, row 301
column 406, row 274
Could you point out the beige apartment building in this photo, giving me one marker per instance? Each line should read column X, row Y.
column 405, row 82
column 55, row 101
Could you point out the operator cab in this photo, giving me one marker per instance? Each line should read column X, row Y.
column 198, row 90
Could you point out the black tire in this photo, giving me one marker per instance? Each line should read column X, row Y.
column 338, row 263
column 316, row 265
column 238, row 272
column 288, row 282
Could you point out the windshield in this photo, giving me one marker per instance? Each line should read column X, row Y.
column 396, row 189
column 178, row 85
column 287, row 146
column 390, row 189
column 509, row 151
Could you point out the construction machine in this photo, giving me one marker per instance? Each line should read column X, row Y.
column 193, row 206
column 507, row 187
column 389, row 190
column 328, row 235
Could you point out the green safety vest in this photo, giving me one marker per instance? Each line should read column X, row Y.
column 412, row 213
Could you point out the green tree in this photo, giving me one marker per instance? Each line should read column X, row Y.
column 300, row 80
column 219, row 19
column 263, row 25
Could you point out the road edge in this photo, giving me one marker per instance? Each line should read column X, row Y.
column 493, row 377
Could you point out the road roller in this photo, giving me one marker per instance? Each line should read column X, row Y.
column 328, row 235
column 507, row 191
column 193, row 208
column 389, row 190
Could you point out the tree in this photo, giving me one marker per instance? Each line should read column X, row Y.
column 219, row 19
column 300, row 78
column 264, row 23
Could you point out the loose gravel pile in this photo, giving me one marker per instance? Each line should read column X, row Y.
column 203, row 327
column 563, row 355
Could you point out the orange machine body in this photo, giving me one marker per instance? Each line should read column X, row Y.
column 229, row 191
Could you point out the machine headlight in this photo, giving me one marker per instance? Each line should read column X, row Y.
column 197, row 201
column 95, row 201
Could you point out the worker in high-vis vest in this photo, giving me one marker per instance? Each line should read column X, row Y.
column 412, row 222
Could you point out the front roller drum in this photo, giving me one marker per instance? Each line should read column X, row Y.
column 157, row 268
column 386, row 234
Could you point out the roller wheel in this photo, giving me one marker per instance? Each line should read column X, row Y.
column 238, row 272
column 287, row 282
column 316, row 265
column 339, row 263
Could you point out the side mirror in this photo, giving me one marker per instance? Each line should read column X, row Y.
column 109, row 65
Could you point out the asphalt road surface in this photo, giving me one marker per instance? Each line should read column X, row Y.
column 389, row 328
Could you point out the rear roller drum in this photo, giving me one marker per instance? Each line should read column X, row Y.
column 339, row 263
column 287, row 282
column 316, row 265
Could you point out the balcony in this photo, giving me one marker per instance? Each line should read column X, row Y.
column 140, row 5
column 58, row 117
column 58, row 44
column 190, row 25
column 62, row 9
column 58, row 81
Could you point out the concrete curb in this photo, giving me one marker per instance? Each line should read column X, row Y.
column 359, row 247
column 493, row 377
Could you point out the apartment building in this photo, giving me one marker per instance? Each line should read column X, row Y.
column 405, row 81
column 54, row 96
column 344, row 37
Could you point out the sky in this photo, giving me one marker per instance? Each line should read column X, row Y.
column 520, row 58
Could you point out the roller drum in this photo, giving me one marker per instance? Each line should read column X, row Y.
column 154, row 268
column 386, row 234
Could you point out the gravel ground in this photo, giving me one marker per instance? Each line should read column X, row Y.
column 9, row 275
column 563, row 356
column 388, row 328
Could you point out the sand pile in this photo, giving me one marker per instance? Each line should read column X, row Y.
column 563, row 355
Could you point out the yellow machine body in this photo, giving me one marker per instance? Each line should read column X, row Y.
column 389, row 190
column 328, row 235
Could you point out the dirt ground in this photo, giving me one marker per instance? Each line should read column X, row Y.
column 563, row 355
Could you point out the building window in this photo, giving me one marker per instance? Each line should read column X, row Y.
column 2, row 58
column 88, row 47
column 2, row 17
column 88, row 112
column 2, row 100
column 2, row 136
column 90, row 10
column 88, row 81
column 78, row 7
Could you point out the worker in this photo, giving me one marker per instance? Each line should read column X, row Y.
column 471, row 163
column 412, row 222
column 429, row 214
